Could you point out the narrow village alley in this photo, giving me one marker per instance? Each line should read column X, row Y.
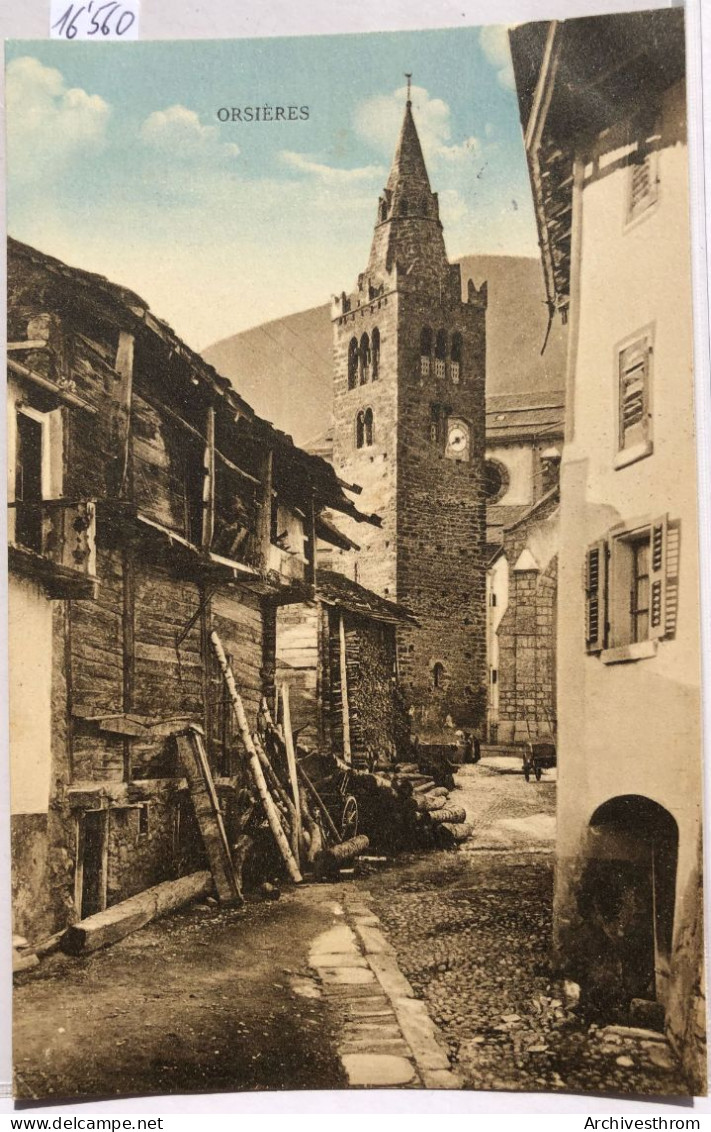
column 428, row 971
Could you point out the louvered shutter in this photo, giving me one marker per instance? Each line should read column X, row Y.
column 672, row 599
column 595, row 596
column 634, row 392
column 658, row 578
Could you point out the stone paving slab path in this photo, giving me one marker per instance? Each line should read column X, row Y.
column 387, row 1037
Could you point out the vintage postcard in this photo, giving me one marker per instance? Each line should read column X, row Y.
column 352, row 512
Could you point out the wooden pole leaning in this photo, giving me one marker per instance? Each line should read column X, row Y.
column 254, row 764
column 291, row 763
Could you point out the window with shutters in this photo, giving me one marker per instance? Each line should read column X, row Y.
column 631, row 590
column 634, row 396
column 642, row 183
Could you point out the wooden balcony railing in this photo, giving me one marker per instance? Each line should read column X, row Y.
column 54, row 541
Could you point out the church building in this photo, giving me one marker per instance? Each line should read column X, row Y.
column 409, row 427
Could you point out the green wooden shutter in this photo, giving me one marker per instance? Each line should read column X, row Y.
column 672, row 601
column 595, row 596
column 658, row 578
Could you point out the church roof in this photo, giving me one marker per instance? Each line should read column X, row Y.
column 514, row 416
column 408, row 230
column 408, row 169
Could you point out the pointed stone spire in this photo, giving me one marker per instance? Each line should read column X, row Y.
column 408, row 174
column 408, row 231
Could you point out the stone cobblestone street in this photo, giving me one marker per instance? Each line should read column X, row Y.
column 429, row 971
column 472, row 931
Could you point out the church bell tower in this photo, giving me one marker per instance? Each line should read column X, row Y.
column 409, row 417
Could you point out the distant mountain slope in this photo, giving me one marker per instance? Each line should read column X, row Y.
column 284, row 368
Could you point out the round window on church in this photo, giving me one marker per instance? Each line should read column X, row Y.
column 496, row 480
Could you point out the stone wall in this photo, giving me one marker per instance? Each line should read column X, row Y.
column 527, row 630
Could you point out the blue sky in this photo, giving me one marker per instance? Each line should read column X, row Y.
column 118, row 163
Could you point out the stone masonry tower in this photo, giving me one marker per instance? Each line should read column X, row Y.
column 409, row 427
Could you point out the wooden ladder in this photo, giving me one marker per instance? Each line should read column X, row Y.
column 203, row 794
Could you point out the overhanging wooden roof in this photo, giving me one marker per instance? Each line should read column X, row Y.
column 338, row 590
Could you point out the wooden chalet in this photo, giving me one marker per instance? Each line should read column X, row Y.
column 148, row 506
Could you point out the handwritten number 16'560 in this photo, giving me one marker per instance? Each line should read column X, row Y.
column 67, row 24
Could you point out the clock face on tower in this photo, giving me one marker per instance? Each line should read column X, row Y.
column 457, row 447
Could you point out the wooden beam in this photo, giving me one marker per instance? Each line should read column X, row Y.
column 120, row 920
column 293, row 776
column 310, row 525
column 124, row 398
column 254, row 764
column 160, row 407
column 203, row 794
column 128, row 653
column 264, row 514
column 345, row 711
column 208, row 486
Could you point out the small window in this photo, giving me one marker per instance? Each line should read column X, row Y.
column 631, row 587
column 441, row 355
column 353, row 363
column 437, row 675
column 29, row 485
column 642, row 184
column 496, row 480
column 375, row 354
column 455, row 362
column 364, row 359
column 425, row 352
column 360, row 429
column 143, row 820
column 368, row 425
column 634, row 397
column 383, row 210
column 439, row 418
column 364, row 428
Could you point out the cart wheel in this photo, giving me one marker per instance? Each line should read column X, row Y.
column 527, row 773
column 349, row 818
column 538, row 773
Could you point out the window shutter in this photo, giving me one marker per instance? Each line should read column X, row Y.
column 634, row 392
column 595, row 596
column 658, row 578
column 672, row 597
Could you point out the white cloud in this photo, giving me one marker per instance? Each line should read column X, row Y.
column 328, row 174
column 378, row 121
column 49, row 124
column 179, row 132
column 494, row 42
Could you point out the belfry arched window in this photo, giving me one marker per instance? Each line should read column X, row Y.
column 383, row 210
column 455, row 358
column 437, row 675
column 425, row 351
column 440, row 354
column 360, row 429
column 375, row 354
column 353, row 363
column 368, row 422
column 364, row 359
column 364, row 428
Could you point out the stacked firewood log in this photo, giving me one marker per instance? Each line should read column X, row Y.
column 404, row 809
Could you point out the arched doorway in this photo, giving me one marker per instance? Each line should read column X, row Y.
column 627, row 897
